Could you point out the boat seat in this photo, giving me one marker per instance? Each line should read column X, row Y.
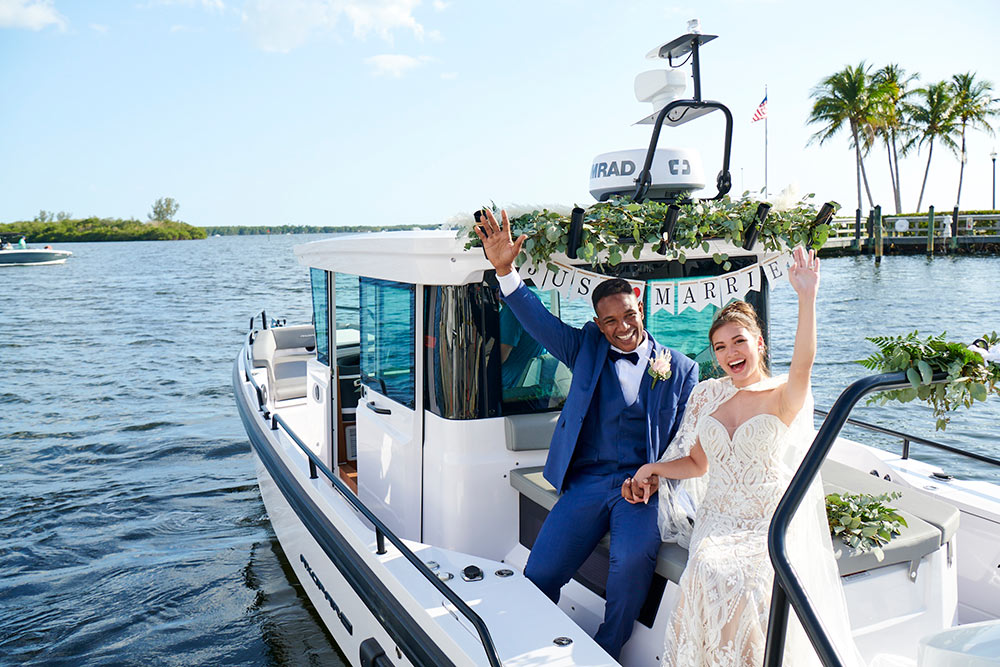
column 671, row 560
column 286, row 366
column 931, row 523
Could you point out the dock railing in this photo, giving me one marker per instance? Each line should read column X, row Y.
column 788, row 589
column 382, row 532
column 939, row 231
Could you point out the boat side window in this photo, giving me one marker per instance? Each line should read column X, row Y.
column 319, row 281
column 532, row 379
column 387, row 326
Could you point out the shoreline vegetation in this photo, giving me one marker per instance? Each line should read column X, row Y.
column 115, row 229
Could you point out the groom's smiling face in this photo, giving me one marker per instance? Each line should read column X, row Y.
column 619, row 317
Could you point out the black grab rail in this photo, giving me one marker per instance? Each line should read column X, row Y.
column 787, row 587
column 907, row 439
column 382, row 532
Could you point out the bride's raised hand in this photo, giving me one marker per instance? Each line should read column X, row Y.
column 803, row 274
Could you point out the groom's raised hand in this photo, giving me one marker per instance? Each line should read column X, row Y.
column 501, row 251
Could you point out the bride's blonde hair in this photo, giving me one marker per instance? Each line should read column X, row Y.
column 742, row 314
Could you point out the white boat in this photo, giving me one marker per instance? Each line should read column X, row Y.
column 404, row 482
column 19, row 256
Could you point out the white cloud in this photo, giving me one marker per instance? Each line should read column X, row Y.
column 30, row 14
column 99, row 27
column 282, row 25
column 394, row 64
column 440, row 5
column 449, row 75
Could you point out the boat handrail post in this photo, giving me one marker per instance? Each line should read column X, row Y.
column 788, row 589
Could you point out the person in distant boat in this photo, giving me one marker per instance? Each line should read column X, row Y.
column 616, row 418
column 6, row 246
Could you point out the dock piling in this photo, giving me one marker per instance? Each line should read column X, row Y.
column 930, row 230
column 877, row 224
column 953, row 241
column 857, row 230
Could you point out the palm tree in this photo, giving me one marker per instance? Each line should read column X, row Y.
column 974, row 106
column 889, row 93
column 932, row 118
column 844, row 98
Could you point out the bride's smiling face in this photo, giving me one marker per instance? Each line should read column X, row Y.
column 738, row 352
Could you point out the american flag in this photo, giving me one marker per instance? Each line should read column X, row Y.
column 761, row 111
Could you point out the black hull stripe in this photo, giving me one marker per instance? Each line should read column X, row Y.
column 411, row 639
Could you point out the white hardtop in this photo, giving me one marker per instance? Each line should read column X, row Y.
column 436, row 257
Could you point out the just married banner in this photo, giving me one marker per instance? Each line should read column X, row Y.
column 672, row 296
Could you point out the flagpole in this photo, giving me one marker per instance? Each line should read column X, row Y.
column 765, row 149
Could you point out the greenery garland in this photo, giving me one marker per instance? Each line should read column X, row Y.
column 971, row 377
column 864, row 522
column 618, row 226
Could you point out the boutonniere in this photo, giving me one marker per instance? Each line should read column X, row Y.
column 659, row 367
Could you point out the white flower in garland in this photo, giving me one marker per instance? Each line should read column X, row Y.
column 659, row 367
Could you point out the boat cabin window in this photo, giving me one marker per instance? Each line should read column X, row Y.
column 320, row 283
column 387, row 326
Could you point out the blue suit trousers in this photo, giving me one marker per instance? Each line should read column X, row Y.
column 590, row 506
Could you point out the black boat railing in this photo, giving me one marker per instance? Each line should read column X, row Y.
column 788, row 589
column 382, row 532
column 906, row 438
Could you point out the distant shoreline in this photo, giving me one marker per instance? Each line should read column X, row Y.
column 110, row 229
column 239, row 230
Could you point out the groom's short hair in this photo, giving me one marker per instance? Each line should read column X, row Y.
column 609, row 287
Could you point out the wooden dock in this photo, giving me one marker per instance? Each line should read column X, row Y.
column 952, row 233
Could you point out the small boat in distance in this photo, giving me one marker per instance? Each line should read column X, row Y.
column 20, row 254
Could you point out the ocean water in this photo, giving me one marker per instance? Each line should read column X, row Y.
column 131, row 528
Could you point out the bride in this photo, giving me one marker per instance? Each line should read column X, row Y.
column 750, row 431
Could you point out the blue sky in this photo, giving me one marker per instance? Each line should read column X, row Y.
column 327, row 112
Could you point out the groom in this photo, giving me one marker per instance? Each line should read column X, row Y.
column 614, row 420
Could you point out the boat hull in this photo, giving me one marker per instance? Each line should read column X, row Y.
column 345, row 582
column 33, row 257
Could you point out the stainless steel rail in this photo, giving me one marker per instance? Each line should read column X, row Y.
column 382, row 532
column 907, row 439
column 788, row 589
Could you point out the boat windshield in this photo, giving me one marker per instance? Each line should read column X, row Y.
column 481, row 363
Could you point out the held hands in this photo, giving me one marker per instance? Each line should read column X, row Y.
column 804, row 273
column 496, row 238
column 640, row 487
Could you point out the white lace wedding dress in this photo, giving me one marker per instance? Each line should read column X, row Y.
column 721, row 615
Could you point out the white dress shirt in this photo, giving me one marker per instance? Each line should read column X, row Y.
column 629, row 374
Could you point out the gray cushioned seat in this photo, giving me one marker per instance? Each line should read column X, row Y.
column 931, row 523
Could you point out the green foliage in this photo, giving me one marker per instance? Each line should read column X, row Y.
column 101, row 229
column 970, row 377
column 164, row 208
column 620, row 226
column 864, row 522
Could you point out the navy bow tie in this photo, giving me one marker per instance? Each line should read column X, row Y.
column 615, row 355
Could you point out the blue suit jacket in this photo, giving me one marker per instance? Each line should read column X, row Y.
column 585, row 352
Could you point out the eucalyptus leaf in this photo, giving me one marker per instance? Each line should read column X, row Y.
column 926, row 374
